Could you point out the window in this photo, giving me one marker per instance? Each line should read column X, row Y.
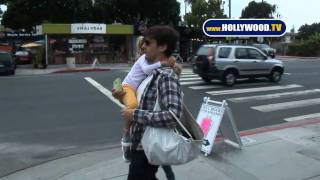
column 224, row 52
column 204, row 51
column 254, row 54
column 241, row 53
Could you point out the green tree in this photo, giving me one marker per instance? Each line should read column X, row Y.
column 24, row 14
column 27, row 13
column 305, row 31
column 202, row 10
column 259, row 10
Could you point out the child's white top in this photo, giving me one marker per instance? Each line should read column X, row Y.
column 139, row 71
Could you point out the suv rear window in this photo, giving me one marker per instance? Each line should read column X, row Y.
column 204, row 51
column 224, row 52
column 5, row 57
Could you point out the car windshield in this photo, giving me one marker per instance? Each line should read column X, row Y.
column 204, row 51
column 262, row 45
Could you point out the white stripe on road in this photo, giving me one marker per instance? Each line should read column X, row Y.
column 287, row 105
column 298, row 118
column 190, row 79
column 260, row 89
column 205, row 87
column 287, row 73
column 189, row 75
column 274, row 96
column 192, row 83
column 104, row 91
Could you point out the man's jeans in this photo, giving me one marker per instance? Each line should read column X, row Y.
column 140, row 169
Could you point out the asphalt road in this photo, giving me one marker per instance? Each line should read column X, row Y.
column 50, row 116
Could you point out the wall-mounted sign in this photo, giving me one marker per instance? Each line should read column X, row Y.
column 77, row 41
column 88, row 28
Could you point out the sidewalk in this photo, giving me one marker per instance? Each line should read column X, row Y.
column 290, row 152
column 25, row 70
column 296, row 57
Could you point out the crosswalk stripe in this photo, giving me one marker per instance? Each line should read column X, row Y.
column 190, row 79
column 274, row 96
column 287, row 105
column 205, row 87
column 189, row 75
column 192, row 83
column 238, row 91
column 298, row 118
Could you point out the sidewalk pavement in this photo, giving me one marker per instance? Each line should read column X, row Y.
column 296, row 57
column 289, row 151
column 25, row 70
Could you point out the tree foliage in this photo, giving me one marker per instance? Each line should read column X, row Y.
column 305, row 31
column 27, row 13
column 202, row 10
column 259, row 10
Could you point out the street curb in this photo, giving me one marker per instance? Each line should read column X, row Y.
column 81, row 70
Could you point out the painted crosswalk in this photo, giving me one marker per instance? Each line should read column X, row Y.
column 263, row 90
column 303, row 117
column 275, row 95
column 247, row 90
column 287, row 105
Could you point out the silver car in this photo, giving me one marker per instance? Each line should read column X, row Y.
column 229, row 62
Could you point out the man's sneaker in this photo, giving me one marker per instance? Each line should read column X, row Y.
column 126, row 148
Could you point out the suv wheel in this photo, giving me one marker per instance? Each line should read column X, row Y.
column 206, row 79
column 275, row 75
column 229, row 78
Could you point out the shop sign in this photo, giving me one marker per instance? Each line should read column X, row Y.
column 88, row 28
column 77, row 41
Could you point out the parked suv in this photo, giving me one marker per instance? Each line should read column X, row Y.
column 266, row 49
column 229, row 62
column 6, row 63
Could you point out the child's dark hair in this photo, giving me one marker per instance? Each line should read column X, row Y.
column 164, row 35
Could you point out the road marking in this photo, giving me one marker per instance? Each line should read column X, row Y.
column 274, row 96
column 298, row 118
column 189, row 75
column 192, row 82
column 205, row 87
column 104, row 91
column 287, row 73
column 189, row 79
column 287, row 105
column 260, row 89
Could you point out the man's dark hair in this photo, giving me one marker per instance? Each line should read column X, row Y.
column 164, row 35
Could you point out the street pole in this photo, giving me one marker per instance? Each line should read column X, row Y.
column 229, row 9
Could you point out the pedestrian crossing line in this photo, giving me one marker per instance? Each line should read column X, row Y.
column 217, row 81
column 247, row 90
column 274, row 96
column 287, row 73
column 103, row 90
column 205, row 87
column 190, row 79
column 189, row 75
column 307, row 116
column 192, row 83
column 287, row 105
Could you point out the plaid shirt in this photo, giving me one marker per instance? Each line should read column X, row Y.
column 170, row 98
